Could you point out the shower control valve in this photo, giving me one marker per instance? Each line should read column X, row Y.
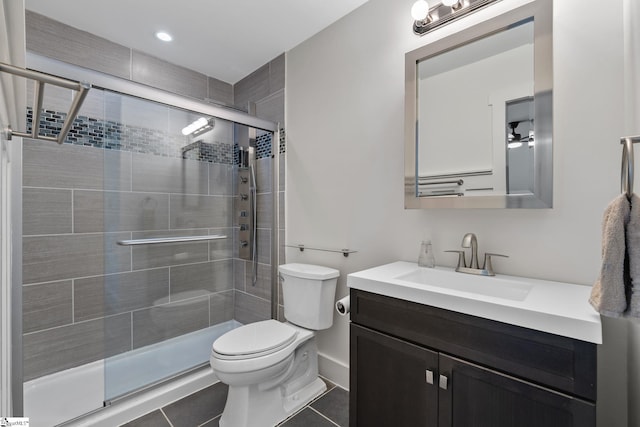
column 244, row 196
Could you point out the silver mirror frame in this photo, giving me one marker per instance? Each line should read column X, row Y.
column 542, row 13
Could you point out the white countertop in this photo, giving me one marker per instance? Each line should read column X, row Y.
column 553, row 307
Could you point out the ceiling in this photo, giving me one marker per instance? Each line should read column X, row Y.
column 225, row 39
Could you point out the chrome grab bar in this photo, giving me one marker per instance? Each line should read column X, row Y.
column 179, row 239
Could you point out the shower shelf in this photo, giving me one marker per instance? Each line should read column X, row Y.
column 159, row 240
column 344, row 252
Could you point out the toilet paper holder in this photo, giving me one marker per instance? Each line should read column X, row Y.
column 343, row 305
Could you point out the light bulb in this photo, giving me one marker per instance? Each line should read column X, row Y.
column 450, row 3
column 420, row 10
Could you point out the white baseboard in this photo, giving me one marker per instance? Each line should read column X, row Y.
column 334, row 370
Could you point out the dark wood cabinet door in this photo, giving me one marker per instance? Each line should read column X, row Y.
column 480, row 397
column 389, row 382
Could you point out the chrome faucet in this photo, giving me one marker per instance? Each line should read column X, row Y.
column 471, row 241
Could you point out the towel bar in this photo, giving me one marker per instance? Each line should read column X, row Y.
column 626, row 170
column 180, row 239
column 456, row 182
column 344, row 252
column 40, row 79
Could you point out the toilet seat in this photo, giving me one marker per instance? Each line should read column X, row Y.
column 254, row 340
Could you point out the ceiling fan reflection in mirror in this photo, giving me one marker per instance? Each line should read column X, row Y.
column 515, row 140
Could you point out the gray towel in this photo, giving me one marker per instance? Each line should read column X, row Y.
column 633, row 253
column 608, row 295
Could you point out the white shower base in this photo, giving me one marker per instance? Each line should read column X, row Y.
column 67, row 395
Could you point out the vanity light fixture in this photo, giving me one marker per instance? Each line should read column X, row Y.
column 198, row 127
column 453, row 4
column 427, row 19
column 420, row 13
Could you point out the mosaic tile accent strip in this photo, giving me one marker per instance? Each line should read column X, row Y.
column 84, row 130
column 207, row 152
column 236, row 154
column 263, row 146
column 111, row 135
column 283, row 141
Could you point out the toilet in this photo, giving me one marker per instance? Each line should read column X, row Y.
column 271, row 367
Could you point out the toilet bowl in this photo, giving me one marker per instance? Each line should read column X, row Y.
column 272, row 367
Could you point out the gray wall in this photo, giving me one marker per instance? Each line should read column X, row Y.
column 357, row 86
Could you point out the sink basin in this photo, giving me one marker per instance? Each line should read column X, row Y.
column 554, row 307
column 489, row 286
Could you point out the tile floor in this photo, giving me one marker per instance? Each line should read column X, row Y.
column 203, row 409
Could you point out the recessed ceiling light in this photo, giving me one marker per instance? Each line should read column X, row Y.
column 165, row 37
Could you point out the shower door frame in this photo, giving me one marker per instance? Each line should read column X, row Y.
column 128, row 87
column 104, row 81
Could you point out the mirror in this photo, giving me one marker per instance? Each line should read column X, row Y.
column 478, row 115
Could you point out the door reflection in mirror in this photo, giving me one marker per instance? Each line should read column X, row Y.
column 520, row 146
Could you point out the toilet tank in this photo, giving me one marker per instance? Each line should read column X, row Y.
column 308, row 292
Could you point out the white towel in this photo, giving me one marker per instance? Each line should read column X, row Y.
column 633, row 253
column 609, row 293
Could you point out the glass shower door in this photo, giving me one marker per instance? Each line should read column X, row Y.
column 168, row 286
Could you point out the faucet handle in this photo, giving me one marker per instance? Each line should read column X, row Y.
column 487, row 262
column 462, row 263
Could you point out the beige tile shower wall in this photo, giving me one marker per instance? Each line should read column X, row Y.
column 53, row 39
column 85, row 297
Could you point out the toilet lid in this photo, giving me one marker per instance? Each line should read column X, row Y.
column 255, row 339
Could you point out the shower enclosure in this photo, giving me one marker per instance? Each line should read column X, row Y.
column 132, row 258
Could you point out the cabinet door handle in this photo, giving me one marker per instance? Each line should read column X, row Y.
column 429, row 376
column 443, row 382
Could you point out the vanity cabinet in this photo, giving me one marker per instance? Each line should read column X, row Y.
column 417, row 365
